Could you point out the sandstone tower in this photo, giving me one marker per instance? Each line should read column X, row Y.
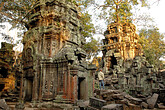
column 121, row 41
column 124, row 64
column 54, row 65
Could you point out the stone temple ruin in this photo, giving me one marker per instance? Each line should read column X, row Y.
column 52, row 72
column 7, row 79
column 125, row 66
column 54, row 66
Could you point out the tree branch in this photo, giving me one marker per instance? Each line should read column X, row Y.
column 5, row 14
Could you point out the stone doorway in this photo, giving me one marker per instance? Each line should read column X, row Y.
column 3, row 74
column 113, row 61
column 81, row 88
column 29, row 88
column 2, row 86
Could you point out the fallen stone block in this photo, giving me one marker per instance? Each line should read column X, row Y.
column 113, row 107
column 83, row 104
column 124, row 101
column 20, row 106
column 110, row 92
column 133, row 107
column 152, row 101
column 3, row 105
column 161, row 106
column 162, row 96
column 161, row 86
column 135, row 101
column 118, row 96
column 127, row 96
column 91, row 108
column 144, row 105
column 96, row 103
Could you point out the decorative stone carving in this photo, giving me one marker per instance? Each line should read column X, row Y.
column 125, row 63
column 54, row 62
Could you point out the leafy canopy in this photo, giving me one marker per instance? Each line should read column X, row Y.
column 15, row 12
column 153, row 45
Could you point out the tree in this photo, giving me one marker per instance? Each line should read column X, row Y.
column 87, row 27
column 92, row 45
column 115, row 10
column 153, row 45
column 92, row 48
column 14, row 12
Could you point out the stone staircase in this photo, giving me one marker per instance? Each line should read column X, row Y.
column 11, row 96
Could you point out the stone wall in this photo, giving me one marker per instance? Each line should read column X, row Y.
column 7, row 79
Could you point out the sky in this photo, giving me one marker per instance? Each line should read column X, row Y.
column 157, row 12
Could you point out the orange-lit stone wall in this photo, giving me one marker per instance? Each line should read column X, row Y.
column 7, row 75
column 121, row 42
column 122, row 38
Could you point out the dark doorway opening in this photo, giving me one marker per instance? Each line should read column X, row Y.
column 113, row 61
column 29, row 88
column 81, row 88
column 2, row 86
column 3, row 72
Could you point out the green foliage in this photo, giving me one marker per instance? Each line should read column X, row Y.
column 15, row 13
column 120, row 10
column 87, row 27
column 153, row 45
column 92, row 47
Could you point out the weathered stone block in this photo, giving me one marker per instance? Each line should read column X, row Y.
column 124, row 101
column 118, row 96
column 161, row 106
column 152, row 101
column 144, row 105
column 92, row 108
column 136, row 101
column 162, row 95
column 97, row 103
column 133, row 107
column 113, row 107
column 3, row 105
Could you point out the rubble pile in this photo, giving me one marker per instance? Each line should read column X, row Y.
column 136, row 76
column 118, row 100
column 124, row 64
